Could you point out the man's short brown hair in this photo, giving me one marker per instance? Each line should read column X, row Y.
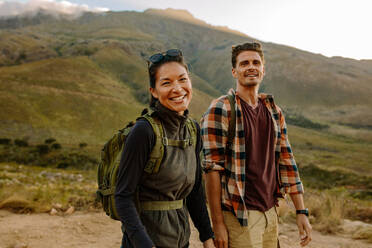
column 249, row 46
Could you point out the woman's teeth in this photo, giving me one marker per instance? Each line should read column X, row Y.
column 177, row 98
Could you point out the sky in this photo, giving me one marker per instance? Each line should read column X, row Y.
column 329, row 27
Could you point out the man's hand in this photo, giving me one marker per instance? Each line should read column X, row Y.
column 221, row 236
column 208, row 244
column 213, row 188
column 304, row 229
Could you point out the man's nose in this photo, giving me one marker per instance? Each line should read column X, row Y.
column 250, row 66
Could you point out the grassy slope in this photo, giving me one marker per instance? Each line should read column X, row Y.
column 99, row 82
column 330, row 151
column 70, row 99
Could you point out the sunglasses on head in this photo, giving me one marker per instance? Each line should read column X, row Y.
column 156, row 58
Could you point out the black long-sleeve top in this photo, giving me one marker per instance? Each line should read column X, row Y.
column 137, row 149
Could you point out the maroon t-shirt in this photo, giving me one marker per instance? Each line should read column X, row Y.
column 260, row 180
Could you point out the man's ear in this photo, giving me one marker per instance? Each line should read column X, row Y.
column 154, row 93
column 234, row 73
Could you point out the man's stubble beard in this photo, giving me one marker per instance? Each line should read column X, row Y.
column 248, row 84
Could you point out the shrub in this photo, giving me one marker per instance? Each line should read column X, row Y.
column 82, row 145
column 5, row 141
column 56, row 146
column 50, row 141
column 21, row 143
column 142, row 96
column 43, row 149
column 318, row 178
column 302, row 121
column 62, row 165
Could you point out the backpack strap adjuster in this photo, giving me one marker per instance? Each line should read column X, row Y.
column 185, row 143
column 165, row 141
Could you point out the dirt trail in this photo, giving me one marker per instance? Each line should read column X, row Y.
column 96, row 230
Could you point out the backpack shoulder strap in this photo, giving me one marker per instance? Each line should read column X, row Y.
column 191, row 126
column 232, row 121
column 157, row 153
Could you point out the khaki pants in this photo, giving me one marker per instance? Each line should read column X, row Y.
column 261, row 232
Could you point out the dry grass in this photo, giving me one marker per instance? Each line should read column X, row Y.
column 364, row 233
column 37, row 189
column 18, row 204
column 327, row 211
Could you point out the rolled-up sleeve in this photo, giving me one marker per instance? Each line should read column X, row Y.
column 288, row 168
column 214, row 130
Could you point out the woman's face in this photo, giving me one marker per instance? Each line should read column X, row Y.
column 173, row 87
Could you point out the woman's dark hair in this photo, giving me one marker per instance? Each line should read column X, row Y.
column 154, row 67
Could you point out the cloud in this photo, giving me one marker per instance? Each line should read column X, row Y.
column 31, row 7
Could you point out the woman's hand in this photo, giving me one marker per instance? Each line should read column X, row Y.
column 208, row 244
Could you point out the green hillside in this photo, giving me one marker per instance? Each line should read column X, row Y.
column 68, row 98
column 78, row 80
column 67, row 85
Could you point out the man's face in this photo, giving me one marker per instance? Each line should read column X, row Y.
column 249, row 69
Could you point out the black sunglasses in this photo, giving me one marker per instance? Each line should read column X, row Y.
column 156, row 58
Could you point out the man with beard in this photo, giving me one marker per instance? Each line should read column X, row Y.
column 249, row 161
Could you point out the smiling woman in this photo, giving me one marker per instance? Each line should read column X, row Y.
column 173, row 88
column 165, row 198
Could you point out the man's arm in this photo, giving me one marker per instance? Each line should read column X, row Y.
column 303, row 224
column 292, row 183
column 213, row 187
column 214, row 130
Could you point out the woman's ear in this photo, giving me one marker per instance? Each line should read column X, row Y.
column 154, row 93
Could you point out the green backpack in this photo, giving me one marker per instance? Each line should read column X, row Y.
column 111, row 155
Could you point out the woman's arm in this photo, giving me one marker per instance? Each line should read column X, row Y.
column 137, row 149
column 195, row 201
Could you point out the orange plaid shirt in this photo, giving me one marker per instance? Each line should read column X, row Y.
column 230, row 160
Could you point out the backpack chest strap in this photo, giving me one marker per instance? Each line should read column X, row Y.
column 177, row 143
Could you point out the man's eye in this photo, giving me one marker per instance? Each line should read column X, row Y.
column 183, row 79
column 165, row 83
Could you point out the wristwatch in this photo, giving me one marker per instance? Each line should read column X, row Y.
column 303, row 211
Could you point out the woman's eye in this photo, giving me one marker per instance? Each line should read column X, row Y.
column 165, row 83
column 183, row 79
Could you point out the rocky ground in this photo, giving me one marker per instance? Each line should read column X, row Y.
column 96, row 230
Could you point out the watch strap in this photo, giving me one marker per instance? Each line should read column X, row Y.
column 303, row 211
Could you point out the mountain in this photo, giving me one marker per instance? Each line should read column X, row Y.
column 80, row 79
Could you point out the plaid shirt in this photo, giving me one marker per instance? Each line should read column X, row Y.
column 231, row 160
